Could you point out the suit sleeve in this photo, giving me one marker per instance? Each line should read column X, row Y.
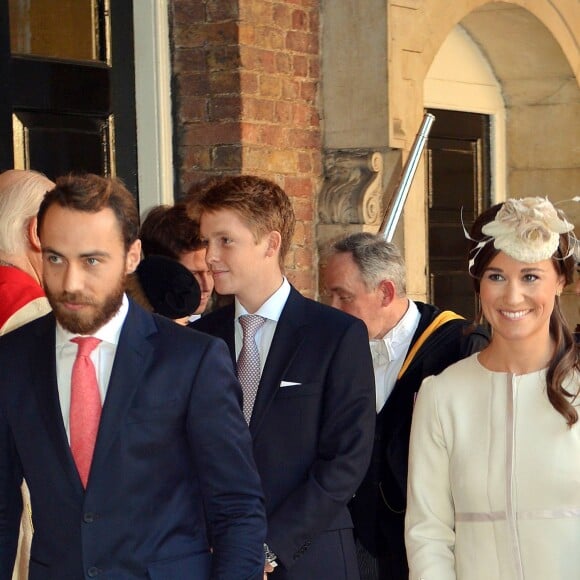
column 10, row 499
column 222, row 452
column 430, row 517
column 344, row 450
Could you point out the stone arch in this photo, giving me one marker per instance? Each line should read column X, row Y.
column 532, row 48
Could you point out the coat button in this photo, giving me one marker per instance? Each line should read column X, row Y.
column 89, row 518
column 92, row 572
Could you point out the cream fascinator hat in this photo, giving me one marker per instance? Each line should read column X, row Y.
column 528, row 230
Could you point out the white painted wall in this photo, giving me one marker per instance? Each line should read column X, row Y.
column 153, row 103
column 461, row 79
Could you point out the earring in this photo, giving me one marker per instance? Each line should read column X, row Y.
column 559, row 292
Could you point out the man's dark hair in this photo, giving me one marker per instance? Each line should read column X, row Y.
column 92, row 193
column 169, row 231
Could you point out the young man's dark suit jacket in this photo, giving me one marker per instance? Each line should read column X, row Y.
column 172, row 445
column 379, row 510
column 312, row 440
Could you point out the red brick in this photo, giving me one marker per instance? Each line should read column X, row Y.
column 302, row 280
column 214, row 134
column 301, row 114
column 223, row 58
column 303, row 257
column 299, row 20
column 256, row 159
column 227, row 157
column 248, row 82
column 282, row 161
column 283, row 63
column 186, row 12
column 273, row 135
column 308, row 90
column 314, row 68
column 303, row 139
column 192, row 84
column 258, row 59
column 257, row 11
column 189, row 60
column 290, row 89
column 304, row 163
column 250, row 133
column 314, row 21
column 282, row 112
column 304, row 209
column 224, row 82
column 282, row 16
column 257, row 109
column 196, row 158
column 192, row 108
column 225, row 108
column 220, row 10
column 270, row 86
column 247, row 34
column 300, row 65
column 298, row 186
column 304, row 42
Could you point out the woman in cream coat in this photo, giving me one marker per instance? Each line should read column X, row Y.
column 494, row 468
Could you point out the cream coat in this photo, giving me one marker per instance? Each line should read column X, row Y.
column 494, row 479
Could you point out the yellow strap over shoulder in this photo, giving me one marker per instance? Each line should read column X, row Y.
column 438, row 321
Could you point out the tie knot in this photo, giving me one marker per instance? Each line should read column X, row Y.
column 86, row 344
column 251, row 323
column 381, row 350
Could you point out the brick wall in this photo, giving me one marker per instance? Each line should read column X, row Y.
column 245, row 89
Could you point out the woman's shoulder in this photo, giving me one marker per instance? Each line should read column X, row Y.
column 463, row 368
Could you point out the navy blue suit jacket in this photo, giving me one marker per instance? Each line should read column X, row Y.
column 312, row 440
column 172, row 451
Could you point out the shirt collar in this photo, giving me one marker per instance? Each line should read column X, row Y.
column 272, row 308
column 398, row 338
column 109, row 332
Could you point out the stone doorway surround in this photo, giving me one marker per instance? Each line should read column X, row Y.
column 532, row 49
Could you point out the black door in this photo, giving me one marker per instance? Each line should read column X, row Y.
column 67, row 89
column 458, row 184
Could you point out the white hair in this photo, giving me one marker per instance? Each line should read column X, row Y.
column 21, row 192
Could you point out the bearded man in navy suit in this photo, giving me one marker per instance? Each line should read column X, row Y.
column 171, row 490
column 311, row 414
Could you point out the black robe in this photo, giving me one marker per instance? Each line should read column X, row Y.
column 378, row 508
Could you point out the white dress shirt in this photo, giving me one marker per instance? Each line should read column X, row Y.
column 102, row 357
column 390, row 351
column 271, row 311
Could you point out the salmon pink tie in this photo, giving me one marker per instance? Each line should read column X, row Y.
column 85, row 406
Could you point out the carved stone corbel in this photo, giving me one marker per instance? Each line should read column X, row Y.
column 351, row 190
column 355, row 185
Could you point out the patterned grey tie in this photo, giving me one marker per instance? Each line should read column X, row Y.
column 249, row 361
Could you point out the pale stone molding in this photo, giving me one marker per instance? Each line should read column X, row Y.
column 153, row 103
column 355, row 184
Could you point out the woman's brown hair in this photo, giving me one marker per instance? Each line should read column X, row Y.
column 566, row 356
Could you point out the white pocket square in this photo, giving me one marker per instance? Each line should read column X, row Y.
column 288, row 384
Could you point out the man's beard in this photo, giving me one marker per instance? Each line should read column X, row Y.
column 85, row 322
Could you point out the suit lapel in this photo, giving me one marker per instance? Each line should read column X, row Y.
column 287, row 338
column 46, row 391
column 133, row 352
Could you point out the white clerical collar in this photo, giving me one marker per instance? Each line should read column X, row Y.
column 109, row 332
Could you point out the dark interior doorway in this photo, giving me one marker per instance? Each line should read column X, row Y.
column 458, row 162
column 67, row 88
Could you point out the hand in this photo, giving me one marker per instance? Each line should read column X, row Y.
column 268, row 568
